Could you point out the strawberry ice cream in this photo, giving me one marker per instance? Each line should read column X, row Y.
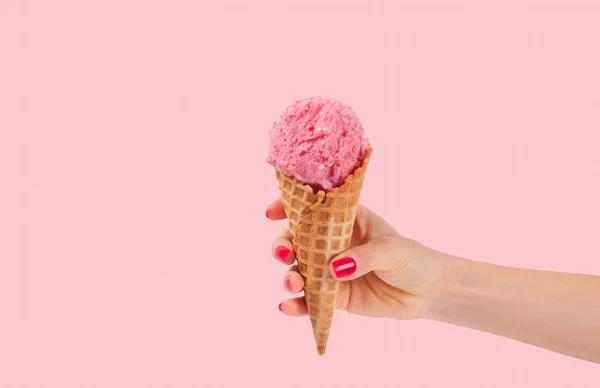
column 319, row 141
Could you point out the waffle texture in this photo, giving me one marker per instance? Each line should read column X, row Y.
column 321, row 225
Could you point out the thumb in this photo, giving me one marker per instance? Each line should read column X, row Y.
column 375, row 255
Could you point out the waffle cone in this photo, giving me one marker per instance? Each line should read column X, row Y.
column 321, row 225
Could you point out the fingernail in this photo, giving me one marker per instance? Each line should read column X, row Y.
column 280, row 306
column 344, row 267
column 288, row 282
column 282, row 253
column 267, row 212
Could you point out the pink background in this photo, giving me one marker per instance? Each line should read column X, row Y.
column 134, row 251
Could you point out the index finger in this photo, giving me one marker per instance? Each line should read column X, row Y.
column 276, row 211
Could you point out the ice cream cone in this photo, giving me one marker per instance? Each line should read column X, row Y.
column 321, row 225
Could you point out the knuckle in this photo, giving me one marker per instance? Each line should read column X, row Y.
column 400, row 255
column 365, row 258
column 388, row 242
column 392, row 252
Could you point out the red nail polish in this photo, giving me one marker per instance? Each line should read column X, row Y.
column 288, row 282
column 280, row 306
column 282, row 253
column 267, row 212
column 344, row 267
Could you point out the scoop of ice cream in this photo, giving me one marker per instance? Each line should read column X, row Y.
column 319, row 140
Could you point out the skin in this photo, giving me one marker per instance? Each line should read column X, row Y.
column 399, row 278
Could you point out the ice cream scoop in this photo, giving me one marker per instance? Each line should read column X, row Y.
column 319, row 141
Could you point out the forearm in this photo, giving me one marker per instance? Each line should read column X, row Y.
column 556, row 311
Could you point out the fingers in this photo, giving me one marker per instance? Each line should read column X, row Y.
column 296, row 307
column 283, row 249
column 276, row 211
column 292, row 281
column 376, row 255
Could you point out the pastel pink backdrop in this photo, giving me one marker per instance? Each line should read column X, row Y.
column 134, row 251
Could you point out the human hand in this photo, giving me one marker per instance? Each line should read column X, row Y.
column 382, row 274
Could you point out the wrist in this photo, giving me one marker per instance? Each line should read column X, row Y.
column 452, row 290
column 429, row 275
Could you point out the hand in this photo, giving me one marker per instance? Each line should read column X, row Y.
column 386, row 275
column 382, row 274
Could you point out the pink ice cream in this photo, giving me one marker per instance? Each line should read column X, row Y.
column 319, row 141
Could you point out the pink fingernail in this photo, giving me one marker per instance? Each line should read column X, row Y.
column 282, row 253
column 280, row 306
column 267, row 212
column 344, row 267
column 288, row 282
